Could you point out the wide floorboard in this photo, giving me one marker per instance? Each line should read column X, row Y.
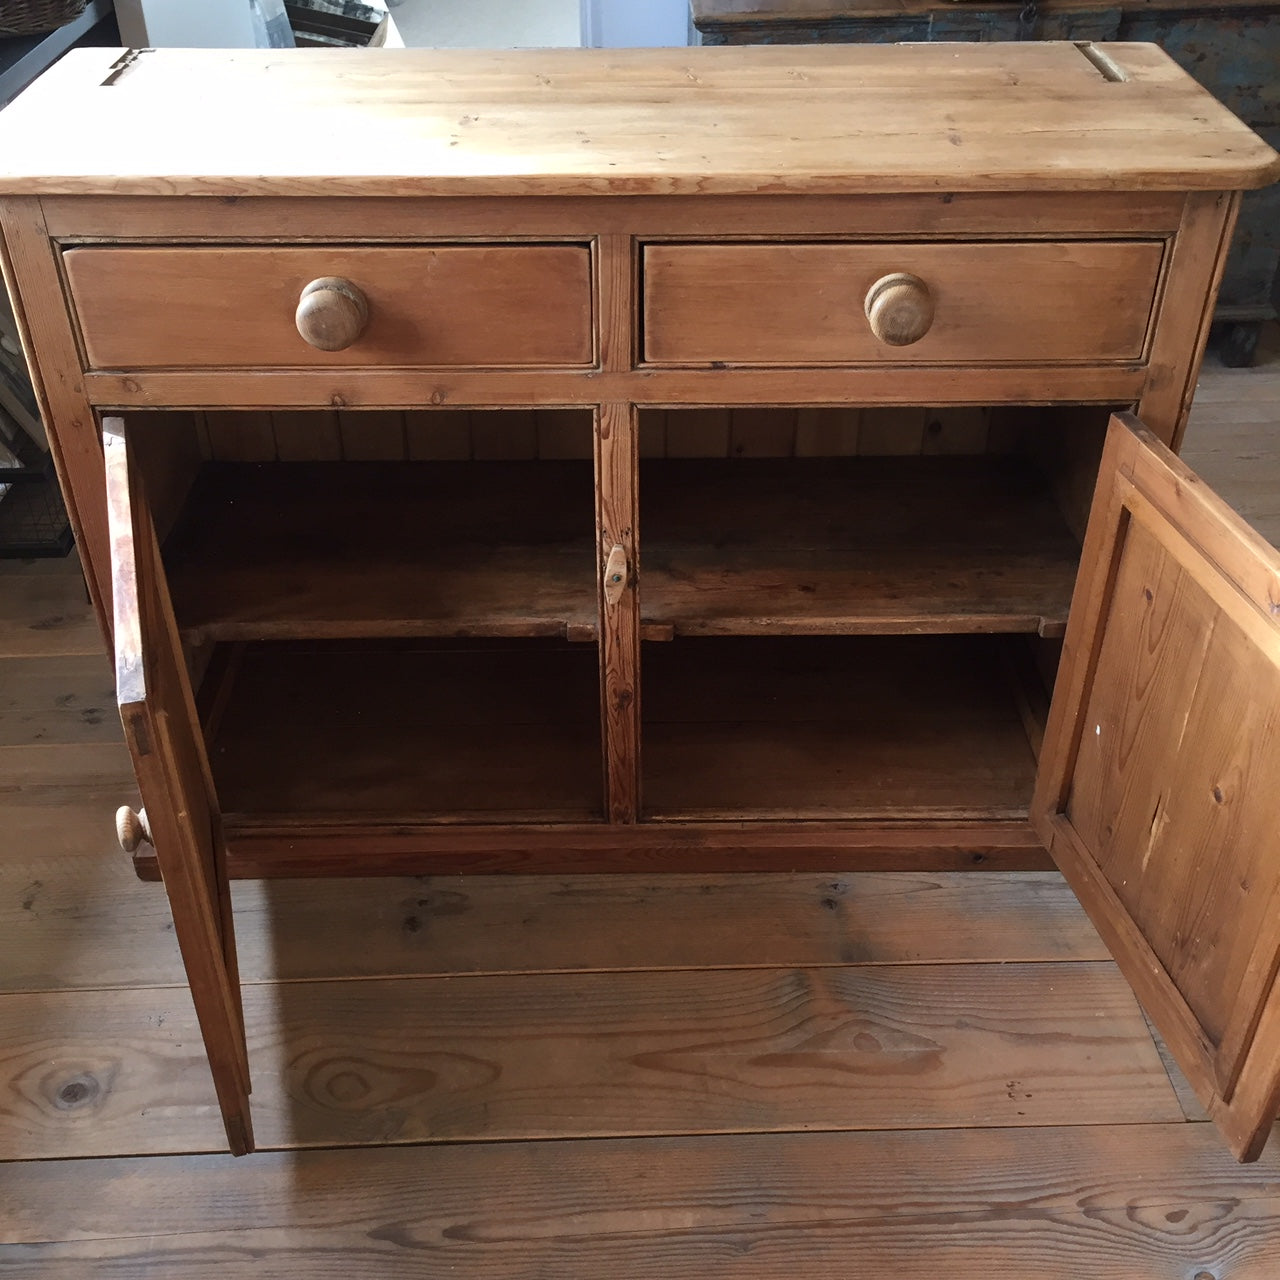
column 1155, row 1203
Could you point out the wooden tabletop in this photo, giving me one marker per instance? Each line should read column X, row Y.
column 835, row 118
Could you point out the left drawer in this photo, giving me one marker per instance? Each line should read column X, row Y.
column 236, row 306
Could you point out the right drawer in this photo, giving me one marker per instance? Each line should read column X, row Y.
column 1019, row 302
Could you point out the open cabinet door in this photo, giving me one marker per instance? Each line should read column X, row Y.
column 164, row 737
column 1159, row 786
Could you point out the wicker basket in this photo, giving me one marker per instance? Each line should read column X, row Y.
column 28, row 17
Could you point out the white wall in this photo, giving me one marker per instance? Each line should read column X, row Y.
column 614, row 24
column 488, row 24
column 209, row 24
column 622, row 24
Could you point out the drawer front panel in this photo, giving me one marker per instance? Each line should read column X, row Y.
column 481, row 305
column 984, row 303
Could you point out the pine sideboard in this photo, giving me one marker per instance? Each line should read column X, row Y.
column 708, row 459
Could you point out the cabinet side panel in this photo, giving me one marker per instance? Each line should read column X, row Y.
column 1186, row 310
column 31, row 274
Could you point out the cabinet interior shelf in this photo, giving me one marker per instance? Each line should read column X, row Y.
column 852, row 546
column 755, row 728
column 318, row 550
column 841, row 546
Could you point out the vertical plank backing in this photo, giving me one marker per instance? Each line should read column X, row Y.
column 373, row 435
column 563, row 433
column 763, row 433
column 652, row 442
column 889, row 431
column 239, row 436
column 957, row 429
column 827, row 433
column 438, row 435
column 307, row 435
column 697, row 433
column 163, row 735
column 504, row 435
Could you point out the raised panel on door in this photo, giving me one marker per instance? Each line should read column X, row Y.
column 164, row 737
column 1161, row 769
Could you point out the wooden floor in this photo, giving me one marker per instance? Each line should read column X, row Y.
column 903, row 1076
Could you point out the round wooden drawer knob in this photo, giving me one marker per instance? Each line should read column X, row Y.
column 131, row 828
column 900, row 309
column 332, row 313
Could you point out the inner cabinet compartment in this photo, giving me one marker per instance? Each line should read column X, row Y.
column 405, row 731
column 814, row 727
column 855, row 613
column 387, row 615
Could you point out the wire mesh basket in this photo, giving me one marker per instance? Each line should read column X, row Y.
column 29, row 17
column 33, row 518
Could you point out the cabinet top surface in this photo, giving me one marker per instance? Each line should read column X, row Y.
column 771, row 119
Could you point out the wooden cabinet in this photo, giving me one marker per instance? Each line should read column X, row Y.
column 580, row 461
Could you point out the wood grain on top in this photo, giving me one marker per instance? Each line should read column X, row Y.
column 840, row 118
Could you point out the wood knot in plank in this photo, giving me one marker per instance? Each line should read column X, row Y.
column 80, row 1091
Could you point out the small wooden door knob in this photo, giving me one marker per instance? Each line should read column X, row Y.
column 332, row 313
column 131, row 828
column 900, row 309
column 615, row 575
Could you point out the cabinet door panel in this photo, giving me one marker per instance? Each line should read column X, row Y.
column 1161, row 770
column 164, row 737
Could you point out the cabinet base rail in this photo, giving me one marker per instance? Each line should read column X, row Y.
column 260, row 853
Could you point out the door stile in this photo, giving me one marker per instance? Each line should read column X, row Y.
column 1104, row 541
